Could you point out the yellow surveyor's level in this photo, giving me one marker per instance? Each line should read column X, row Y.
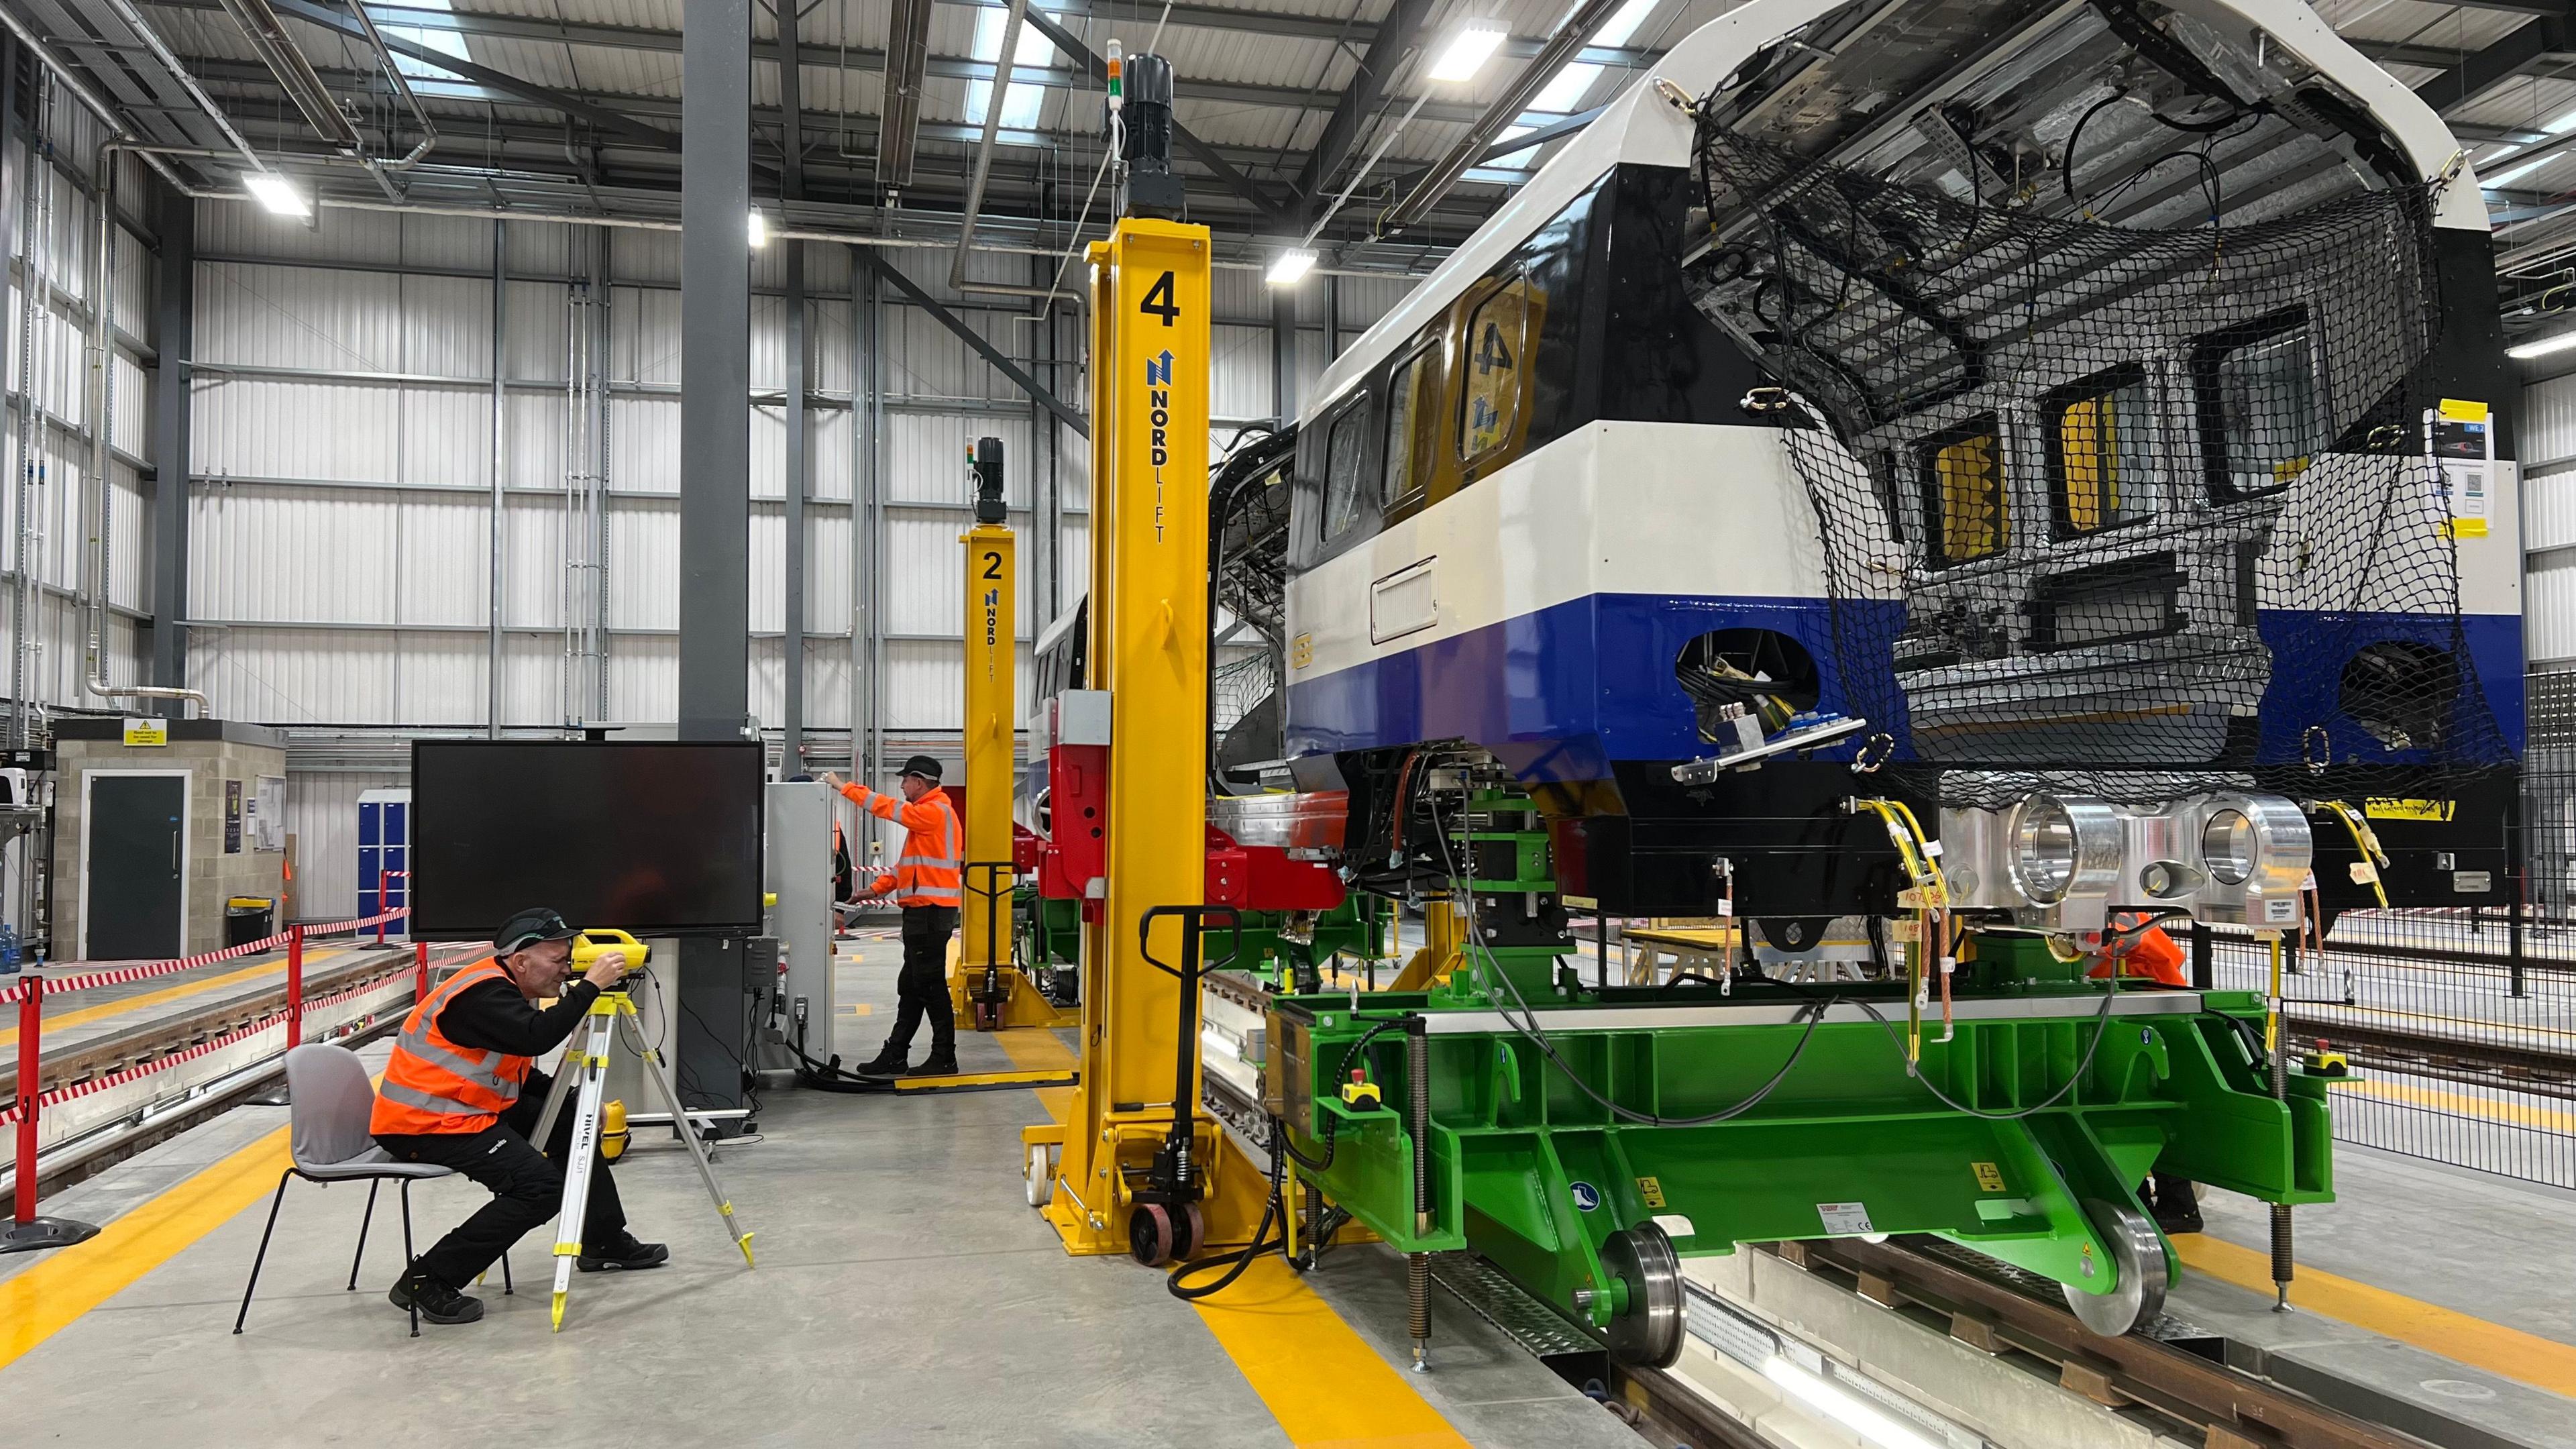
column 589, row 946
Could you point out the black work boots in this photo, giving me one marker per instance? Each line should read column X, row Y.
column 434, row 1301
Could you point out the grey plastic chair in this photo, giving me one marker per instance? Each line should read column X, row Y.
column 329, row 1100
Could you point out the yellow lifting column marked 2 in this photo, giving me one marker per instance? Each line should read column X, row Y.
column 986, row 990
column 1148, row 651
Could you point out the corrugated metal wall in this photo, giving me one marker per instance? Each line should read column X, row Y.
column 2547, row 444
column 342, row 462
column 50, row 209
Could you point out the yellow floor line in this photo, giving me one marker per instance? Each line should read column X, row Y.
column 1324, row 1384
column 2547, row 1118
column 2527, row 1358
column 180, row 992
column 2326, row 1006
column 46, row 1298
column 1033, row 1049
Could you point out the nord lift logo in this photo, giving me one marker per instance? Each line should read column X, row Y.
column 1158, row 400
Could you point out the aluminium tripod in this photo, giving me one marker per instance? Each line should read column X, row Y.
column 612, row 1012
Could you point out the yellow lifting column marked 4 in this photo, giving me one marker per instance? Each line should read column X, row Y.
column 1111, row 1187
column 988, row 992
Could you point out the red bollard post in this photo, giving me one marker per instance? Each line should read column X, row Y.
column 27, row 1232
column 31, row 1016
column 294, row 987
column 420, row 970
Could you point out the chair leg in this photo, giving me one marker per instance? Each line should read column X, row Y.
column 410, row 1260
column 506, row 1289
column 253, row 1286
column 364, row 1223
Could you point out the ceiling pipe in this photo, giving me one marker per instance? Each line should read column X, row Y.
column 402, row 88
column 1003, row 69
column 101, row 418
column 294, row 71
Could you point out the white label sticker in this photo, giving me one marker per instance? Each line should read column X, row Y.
column 2471, row 882
column 2283, row 909
column 1845, row 1217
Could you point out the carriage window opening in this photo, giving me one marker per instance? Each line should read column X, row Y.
column 2261, row 423
column 1963, row 493
column 2102, row 451
column 1404, row 403
column 1489, row 421
column 1345, row 458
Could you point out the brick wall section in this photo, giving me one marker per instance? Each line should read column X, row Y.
column 213, row 876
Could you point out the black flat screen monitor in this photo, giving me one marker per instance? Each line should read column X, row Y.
column 649, row 837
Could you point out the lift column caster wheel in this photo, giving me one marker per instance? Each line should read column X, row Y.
column 1158, row 1236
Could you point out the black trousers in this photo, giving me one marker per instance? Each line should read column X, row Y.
column 921, row 989
column 527, row 1188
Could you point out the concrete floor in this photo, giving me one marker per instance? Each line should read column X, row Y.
column 906, row 1295
column 2483, row 1246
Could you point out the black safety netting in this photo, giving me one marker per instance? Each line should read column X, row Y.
column 2121, row 512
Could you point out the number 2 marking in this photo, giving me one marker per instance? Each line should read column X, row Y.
column 992, row 565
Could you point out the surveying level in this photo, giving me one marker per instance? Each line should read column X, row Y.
column 612, row 1013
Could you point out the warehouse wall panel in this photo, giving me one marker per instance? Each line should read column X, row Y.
column 262, row 428
column 322, row 816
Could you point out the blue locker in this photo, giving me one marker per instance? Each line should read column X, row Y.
column 384, row 845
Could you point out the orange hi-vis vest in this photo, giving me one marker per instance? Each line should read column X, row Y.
column 2150, row 953
column 434, row 1085
column 933, row 860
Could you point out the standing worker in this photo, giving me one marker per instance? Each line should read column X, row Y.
column 925, row 881
column 463, row 1091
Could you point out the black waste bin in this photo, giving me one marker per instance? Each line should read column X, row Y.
column 246, row 919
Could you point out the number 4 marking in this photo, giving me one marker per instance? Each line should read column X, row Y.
column 1158, row 300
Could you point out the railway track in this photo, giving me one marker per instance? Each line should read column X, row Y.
column 143, row 1042
column 351, row 999
column 2182, row 1380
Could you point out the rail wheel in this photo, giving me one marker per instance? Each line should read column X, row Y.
column 2138, row 1277
column 1649, row 1331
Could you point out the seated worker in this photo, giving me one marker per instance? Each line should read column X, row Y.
column 463, row 1091
column 925, row 883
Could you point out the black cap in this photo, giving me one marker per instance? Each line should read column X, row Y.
column 530, row 927
column 922, row 765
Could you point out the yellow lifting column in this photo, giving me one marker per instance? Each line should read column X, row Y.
column 987, row 991
column 1149, row 652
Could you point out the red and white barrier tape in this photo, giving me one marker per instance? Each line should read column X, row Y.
column 148, row 970
column 75, row 1090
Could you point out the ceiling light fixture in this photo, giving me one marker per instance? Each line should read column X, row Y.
column 1469, row 47
column 276, row 193
column 759, row 229
column 1290, row 267
column 2542, row 348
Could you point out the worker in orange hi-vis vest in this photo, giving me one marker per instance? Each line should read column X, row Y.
column 925, row 881
column 2140, row 950
column 462, row 1091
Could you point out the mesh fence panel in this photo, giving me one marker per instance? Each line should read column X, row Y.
column 2121, row 512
